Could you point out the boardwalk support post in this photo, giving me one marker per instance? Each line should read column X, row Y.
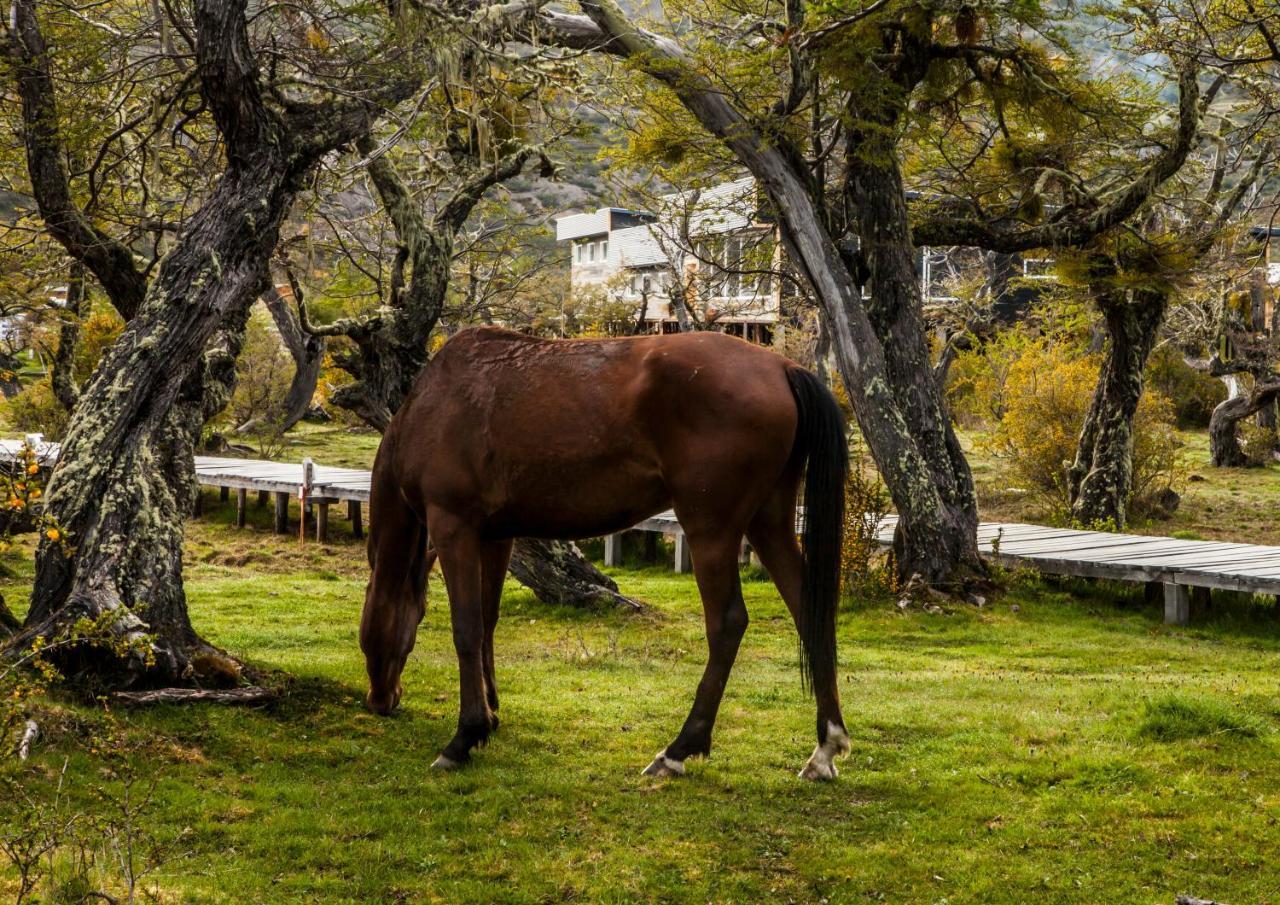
column 242, row 503
column 684, row 562
column 1177, row 604
column 322, row 521
column 304, row 497
column 353, row 513
column 282, row 513
column 613, row 550
column 224, row 494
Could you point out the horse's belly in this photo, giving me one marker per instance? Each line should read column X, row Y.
column 572, row 501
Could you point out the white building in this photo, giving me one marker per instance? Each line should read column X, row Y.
column 725, row 257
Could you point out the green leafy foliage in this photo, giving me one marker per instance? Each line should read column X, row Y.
column 1193, row 393
column 1047, row 391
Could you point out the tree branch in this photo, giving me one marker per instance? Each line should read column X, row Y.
column 229, row 80
column 1074, row 225
column 111, row 262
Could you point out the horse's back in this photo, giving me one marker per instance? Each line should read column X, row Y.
column 578, row 437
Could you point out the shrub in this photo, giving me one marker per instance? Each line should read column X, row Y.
column 977, row 383
column 864, row 570
column 37, row 410
column 1194, row 393
column 1047, row 394
column 263, row 374
column 97, row 333
column 1257, row 443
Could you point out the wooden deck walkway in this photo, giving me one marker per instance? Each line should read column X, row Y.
column 1179, row 567
column 324, row 486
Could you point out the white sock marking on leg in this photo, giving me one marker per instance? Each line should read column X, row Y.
column 821, row 763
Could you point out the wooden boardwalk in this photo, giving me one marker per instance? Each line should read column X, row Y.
column 323, row 486
column 1179, row 567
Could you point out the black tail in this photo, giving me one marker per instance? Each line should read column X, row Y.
column 821, row 440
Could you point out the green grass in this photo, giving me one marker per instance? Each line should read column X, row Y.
column 1065, row 750
column 1223, row 504
column 1175, row 717
column 1058, row 745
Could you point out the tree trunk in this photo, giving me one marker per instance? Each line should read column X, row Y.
column 307, row 352
column 1259, row 292
column 61, row 372
column 896, row 311
column 1224, row 441
column 124, row 481
column 938, row 535
column 391, row 350
column 1100, row 480
column 558, row 573
column 9, row 623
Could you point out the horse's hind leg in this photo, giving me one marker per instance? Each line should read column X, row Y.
column 772, row 535
column 460, row 551
column 494, row 559
column 715, row 566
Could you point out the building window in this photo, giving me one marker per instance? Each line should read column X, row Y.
column 732, row 263
column 591, row 251
column 604, row 249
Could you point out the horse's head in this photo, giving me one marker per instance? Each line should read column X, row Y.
column 386, row 637
column 384, row 664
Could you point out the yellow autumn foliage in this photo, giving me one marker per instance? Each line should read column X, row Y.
column 1045, row 398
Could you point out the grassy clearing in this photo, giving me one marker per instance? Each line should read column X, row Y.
column 1229, row 504
column 1059, row 743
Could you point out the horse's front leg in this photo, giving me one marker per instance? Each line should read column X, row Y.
column 494, row 560
column 459, row 548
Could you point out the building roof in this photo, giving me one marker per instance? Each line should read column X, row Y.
column 723, row 208
column 602, row 222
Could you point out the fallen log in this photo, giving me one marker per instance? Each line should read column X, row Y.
column 251, row 694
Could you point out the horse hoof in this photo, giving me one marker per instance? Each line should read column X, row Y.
column 817, row 770
column 445, row 763
column 821, row 766
column 664, row 766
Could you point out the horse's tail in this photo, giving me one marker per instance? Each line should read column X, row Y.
column 821, row 441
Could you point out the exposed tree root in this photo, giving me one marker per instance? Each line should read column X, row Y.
column 250, row 694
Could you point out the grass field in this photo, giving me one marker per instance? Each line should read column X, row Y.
column 1058, row 745
column 1230, row 504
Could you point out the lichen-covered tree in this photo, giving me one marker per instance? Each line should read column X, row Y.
column 385, row 349
column 111, row 492
column 820, row 105
column 1133, row 277
column 72, row 204
column 1246, row 356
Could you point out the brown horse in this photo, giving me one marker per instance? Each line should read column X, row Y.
column 505, row 436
